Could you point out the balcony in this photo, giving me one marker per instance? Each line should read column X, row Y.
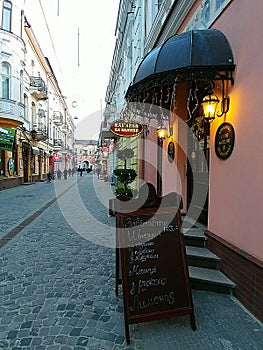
column 39, row 132
column 58, row 144
column 65, row 129
column 57, row 118
column 38, row 88
column 12, row 111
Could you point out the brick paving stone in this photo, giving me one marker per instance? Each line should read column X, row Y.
column 57, row 287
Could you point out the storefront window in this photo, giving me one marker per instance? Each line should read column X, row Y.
column 2, row 162
column 15, row 161
column 33, row 164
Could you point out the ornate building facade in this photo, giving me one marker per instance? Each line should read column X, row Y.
column 172, row 58
column 37, row 130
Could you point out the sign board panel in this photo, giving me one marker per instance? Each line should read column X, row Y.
column 127, row 129
column 7, row 137
column 155, row 276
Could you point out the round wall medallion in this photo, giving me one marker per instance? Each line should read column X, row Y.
column 171, row 150
column 224, row 140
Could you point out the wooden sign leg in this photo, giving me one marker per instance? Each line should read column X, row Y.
column 127, row 332
column 192, row 321
column 117, row 271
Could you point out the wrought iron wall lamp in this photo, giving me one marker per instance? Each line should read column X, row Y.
column 209, row 105
column 211, row 101
column 162, row 132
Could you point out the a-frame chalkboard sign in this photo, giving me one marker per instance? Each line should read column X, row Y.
column 154, row 273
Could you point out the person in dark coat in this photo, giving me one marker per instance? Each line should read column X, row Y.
column 59, row 173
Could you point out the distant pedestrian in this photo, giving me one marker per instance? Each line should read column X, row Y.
column 65, row 173
column 49, row 176
column 59, row 173
column 98, row 171
column 69, row 172
column 73, row 172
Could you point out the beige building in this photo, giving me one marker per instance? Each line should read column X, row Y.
column 36, row 127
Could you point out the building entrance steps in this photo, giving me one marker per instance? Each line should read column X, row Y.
column 203, row 265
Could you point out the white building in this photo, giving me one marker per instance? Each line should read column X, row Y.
column 32, row 107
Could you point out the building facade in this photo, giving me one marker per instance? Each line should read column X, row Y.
column 85, row 153
column 37, row 130
column 171, row 59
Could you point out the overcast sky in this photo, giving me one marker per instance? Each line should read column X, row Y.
column 83, row 73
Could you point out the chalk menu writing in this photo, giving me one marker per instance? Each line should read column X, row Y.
column 154, row 271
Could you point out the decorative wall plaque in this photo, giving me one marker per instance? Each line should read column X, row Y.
column 170, row 151
column 224, row 140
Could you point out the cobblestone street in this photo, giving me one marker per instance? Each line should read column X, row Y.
column 57, row 285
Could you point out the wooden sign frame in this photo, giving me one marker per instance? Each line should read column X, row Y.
column 154, row 273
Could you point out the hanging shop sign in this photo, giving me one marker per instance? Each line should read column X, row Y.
column 57, row 159
column 224, row 140
column 7, row 137
column 127, row 129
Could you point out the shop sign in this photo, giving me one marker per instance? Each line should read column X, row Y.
column 7, row 137
column 224, row 140
column 127, row 129
column 57, row 159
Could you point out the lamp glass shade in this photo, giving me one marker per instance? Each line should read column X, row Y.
column 162, row 133
column 209, row 105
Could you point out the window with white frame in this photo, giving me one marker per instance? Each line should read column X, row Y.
column 21, row 87
column 34, row 114
column 6, row 15
column 6, row 80
column 26, row 106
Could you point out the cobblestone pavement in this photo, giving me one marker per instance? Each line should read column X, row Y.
column 57, row 285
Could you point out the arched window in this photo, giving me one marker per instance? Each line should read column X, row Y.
column 7, row 15
column 5, row 80
column 21, row 87
column 26, row 106
column 33, row 114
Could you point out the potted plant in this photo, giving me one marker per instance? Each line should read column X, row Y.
column 125, row 176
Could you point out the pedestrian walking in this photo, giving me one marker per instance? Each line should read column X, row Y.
column 65, row 173
column 49, row 177
column 69, row 172
column 98, row 170
column 59, row 173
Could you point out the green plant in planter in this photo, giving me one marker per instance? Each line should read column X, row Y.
column 125, row 176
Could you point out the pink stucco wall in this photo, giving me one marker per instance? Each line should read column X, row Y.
column 236, row 184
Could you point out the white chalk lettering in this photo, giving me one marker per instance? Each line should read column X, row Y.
column 137, row 271
column 152, row 282
column 137, row 235
column 140, row 304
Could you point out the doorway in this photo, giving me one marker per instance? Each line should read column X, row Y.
column 25, row 154
column 198, row 169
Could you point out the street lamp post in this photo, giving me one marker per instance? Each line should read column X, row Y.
column 161, row 134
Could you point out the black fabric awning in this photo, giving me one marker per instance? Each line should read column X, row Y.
column 189, row 55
